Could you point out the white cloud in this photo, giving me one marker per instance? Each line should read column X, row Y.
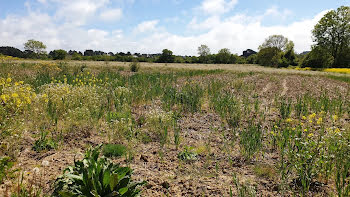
column 146, row 26
column 111, row 14
column 237, row 32
column 78, row 12
column 217, row 7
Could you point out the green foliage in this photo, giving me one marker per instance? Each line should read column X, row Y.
column 190, row 98
column 96, row 176
column 35, row 46
column 58, row 54
column 268, row 56
column 114, row 150
column 250, row 140
column 318, row 58
column 275, row 41
column 332, row 33
column 243, row 190
column 166, row 57
column 44, row 143
column 5, row 165
column 134, row 66
column 188, row 154
column 223, row 56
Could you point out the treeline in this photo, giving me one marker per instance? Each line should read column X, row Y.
column 223, row 57
column 331, row 49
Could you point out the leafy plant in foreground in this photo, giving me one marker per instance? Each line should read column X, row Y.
column 96, row 176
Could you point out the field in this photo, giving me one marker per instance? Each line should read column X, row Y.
column 187, row 130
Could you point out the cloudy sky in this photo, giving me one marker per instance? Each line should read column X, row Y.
column 148, row 26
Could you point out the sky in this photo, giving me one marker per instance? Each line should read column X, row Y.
column 149, row 26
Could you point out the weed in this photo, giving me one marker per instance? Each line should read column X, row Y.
column 96, row 176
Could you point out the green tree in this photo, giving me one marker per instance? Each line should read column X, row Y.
column 223, row 56
column 269, row 56
column 58, row 54
column 276, row 41
column 332, row 33
column 319, row 57
column 35, row 46
column 166, row 57
column 203, row 52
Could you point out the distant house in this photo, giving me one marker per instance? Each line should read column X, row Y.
column 248, row 53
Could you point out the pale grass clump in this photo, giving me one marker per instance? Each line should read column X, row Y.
column 67, row 98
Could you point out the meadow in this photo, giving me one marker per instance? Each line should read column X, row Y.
column 75, row 128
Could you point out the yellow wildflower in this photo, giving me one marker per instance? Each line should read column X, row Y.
column 14, row 95
column 289, row 120
column 335, row 117
column 337, row 130
column 9, row 80
column 310, row 135
column 304, row 117
column 3, row 98
column 305, row 130
column 319, row 121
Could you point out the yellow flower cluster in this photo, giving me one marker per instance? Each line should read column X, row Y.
column 47, row 66
column 87, row 79
column 338, row 70
column 8, row 58
column 306, row 68
column 15, row 95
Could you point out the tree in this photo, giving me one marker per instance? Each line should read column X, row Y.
column 203, row 50
column 318, row 58
column 166, row 57
column 11, row 51
column 58, row 54
column 35, row 46
column 88, row 52
column 332, row 33
column 223, row 56
column 269, row 56
column 278, row 41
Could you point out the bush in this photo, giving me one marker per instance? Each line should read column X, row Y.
column 134, row 66
column 113, row 150
column 96, row 176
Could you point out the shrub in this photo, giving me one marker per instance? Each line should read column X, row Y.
column 96, row 176
column 113, row 150
column 134, row 66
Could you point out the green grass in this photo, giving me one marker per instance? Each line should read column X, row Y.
column 340, row 78
column 114, row 150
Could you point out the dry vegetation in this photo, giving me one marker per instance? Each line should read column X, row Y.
column 188, row 130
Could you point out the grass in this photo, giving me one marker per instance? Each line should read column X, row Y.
column 154, row 116
column 114, row 150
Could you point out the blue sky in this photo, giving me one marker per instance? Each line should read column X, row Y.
column 148, row 26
